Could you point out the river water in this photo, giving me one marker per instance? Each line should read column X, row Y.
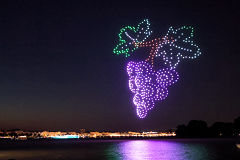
column 167, row 149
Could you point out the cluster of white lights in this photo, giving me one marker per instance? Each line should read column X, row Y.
column 181, row 47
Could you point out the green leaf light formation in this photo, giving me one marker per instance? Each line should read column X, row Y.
column 130, row 34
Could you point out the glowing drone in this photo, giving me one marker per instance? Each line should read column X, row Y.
column 147, row 84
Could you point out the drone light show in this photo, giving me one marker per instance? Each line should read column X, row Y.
column 147, row 84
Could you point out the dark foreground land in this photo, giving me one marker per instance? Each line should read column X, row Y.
column 166, row 149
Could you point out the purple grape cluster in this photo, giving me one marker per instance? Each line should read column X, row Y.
column 148, row 85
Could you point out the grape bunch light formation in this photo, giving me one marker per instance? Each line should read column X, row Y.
column 147, row 84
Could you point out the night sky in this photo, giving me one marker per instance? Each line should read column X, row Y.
column 58, row 70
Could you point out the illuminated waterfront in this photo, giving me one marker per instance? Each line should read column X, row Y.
column 22, row 135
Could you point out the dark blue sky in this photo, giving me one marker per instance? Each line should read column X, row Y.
column 58, row 70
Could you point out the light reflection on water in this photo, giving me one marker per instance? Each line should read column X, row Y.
column 163, row 150
column 171, row 149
